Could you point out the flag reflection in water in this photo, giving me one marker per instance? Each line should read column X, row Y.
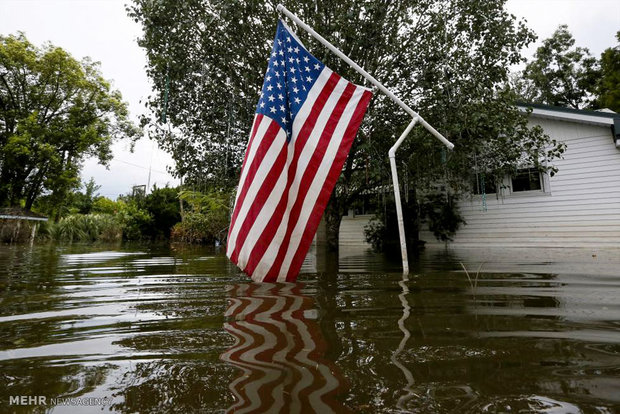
column 280, row 351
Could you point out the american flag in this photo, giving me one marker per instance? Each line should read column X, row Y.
column 305, row 122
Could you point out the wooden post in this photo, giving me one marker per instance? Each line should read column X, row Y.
column 33, row 233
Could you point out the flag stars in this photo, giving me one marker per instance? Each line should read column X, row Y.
column 289, row 77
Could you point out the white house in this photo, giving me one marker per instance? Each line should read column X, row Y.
column 577, row 207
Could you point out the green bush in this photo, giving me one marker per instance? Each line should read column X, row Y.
column 375, row 233
column 442, row 214
column 207, row 220
column 106, row 206
column 163, row 205
column 136, row 221
column 85, row 228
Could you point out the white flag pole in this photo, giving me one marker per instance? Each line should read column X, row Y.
column 399, row 208
column 392, row 153
column 372, row 80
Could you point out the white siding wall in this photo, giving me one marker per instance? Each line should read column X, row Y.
column 581, row 207
column 352, row 230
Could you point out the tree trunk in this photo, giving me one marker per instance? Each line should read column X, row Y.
column 332, row 227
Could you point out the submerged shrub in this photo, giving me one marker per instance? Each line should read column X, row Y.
column 86, row 228
column 136, row 221
column 208, row 220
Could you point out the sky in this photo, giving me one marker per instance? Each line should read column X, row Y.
column 101, row 29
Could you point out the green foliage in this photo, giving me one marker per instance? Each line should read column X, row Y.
column 376, row 234
column 130, row 219
column 608, row 88
column 136, row 221
column 435, row 209
column 560, row 74
column 208, row 219
column 163, row 205
column 83, row 202
column 54, row 112
column 195, row 228
column 442, row 214
column 106, row 206
column 85, row 228
column 447, row 58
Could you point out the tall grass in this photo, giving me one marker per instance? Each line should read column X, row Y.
column 86, row 228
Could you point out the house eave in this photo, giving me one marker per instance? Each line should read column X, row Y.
column 570, row 115
column 29, row 218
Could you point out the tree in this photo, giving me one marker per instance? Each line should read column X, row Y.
column 83, row 202
column 608, row 88
column 163, row 205
column 447, row 58
column 560, row 74
column 54, row 112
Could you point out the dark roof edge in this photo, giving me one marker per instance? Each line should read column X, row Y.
column 569, row 110
column 20, row 214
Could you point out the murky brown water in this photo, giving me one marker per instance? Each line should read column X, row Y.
column 158, row 330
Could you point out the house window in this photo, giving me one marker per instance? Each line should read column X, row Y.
column 526, row 179
column 481, row 182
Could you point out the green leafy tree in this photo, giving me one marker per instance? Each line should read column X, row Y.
column 560, row 73
column 54, row 112
column 135, row 220
column 608, row 88
column 106, row 206
column 447, row 59
column 163, row 205
column 207, row 218
column 83, row 202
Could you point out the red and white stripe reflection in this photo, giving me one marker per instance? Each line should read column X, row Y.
column 280, row 350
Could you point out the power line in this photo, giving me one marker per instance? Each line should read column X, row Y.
column 139, row 166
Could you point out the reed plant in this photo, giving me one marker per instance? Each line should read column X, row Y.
column 86, row 228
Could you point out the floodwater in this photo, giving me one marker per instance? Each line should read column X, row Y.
column 155, row 329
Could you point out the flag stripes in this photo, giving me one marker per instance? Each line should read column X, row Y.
column 305, row 124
